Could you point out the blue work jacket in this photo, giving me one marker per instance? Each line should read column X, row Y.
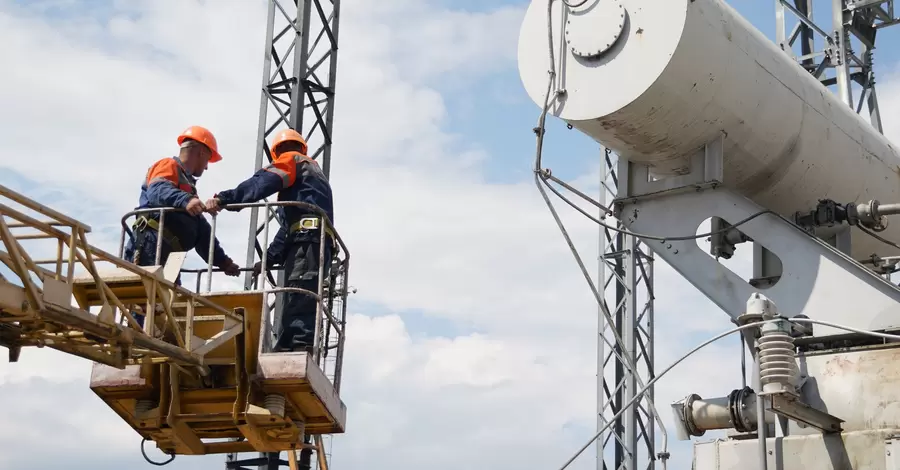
column 169, row 184
column 295, row 177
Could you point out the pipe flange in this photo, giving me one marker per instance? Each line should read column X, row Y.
column 739, row 419
column 594, row 29
column 688, row 415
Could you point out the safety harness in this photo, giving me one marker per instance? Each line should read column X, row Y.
column 140, row 230
column 309, row 223
column 142, row 221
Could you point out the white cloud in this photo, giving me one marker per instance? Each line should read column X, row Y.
column 426, row 231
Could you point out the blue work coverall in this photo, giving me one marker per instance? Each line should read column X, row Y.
column 295, row 177
column 169, row 184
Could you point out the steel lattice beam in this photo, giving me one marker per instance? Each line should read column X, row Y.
column 626, row 278
column 298, row 92
column 844, row 47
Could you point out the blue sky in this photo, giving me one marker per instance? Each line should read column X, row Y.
column 468, row 297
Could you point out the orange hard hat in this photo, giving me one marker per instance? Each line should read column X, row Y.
column 288, row 135
column 205, row 137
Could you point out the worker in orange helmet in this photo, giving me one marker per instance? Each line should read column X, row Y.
column 294, row 177
column 171, row 182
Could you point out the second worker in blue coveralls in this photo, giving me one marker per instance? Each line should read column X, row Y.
column 295, row 177
column 171, row 182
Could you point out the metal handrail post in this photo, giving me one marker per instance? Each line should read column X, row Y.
column 320, row 290
column 159, row 237
column 339, row 362
column 267, row 328
column 211, row 252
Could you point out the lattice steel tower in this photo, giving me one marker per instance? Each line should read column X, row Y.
column 298, row 92
column 626, row 280
column 839, row 52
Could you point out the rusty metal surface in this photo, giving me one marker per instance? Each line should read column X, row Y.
column 298, row 368
column 861, row 387
column 284, row 366
column 860, row 450
column 207, row 412
column 106, row 376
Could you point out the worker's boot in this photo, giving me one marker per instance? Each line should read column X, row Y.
column 288, row 342
column 295, row 344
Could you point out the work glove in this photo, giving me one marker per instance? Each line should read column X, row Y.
column 231, row 269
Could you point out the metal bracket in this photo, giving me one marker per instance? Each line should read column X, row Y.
column 706, row 171
column 814, row 279
column 788, row 406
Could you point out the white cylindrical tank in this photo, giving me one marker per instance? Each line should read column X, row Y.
column 654, row 80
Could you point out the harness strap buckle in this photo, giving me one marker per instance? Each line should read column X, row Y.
column 311, row 223
column 144, row 222
column 306, row 223
column 140, row 224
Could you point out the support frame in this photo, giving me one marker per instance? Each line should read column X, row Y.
column 626, row 277
column 815, row 279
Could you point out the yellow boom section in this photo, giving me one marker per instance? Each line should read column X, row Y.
column 37, row 308
column 196, row 378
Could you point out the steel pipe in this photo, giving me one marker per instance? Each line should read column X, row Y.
column 737, row 410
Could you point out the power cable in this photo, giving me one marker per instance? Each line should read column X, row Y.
column 546, row 177
column 657, row 237
column 541, row 180
column 877, row 237
column 540, row 130
column 158, row 464
column 707, row 343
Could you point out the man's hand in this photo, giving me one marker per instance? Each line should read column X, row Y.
column 231, row 269
column 257, row 268
column 195, row 206
column 213, row 206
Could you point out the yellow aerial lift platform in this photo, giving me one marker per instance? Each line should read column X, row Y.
column 196, row 378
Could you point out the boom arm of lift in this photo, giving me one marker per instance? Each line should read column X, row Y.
column 194, row 373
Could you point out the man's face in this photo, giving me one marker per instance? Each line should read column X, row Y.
column 201, row 162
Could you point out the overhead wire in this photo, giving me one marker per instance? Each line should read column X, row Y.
column 546, row 176
column 658, row 237
column 706, row 343
column 542, row 178
column 877, row 237
column 662, row 374
column 540, row 130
